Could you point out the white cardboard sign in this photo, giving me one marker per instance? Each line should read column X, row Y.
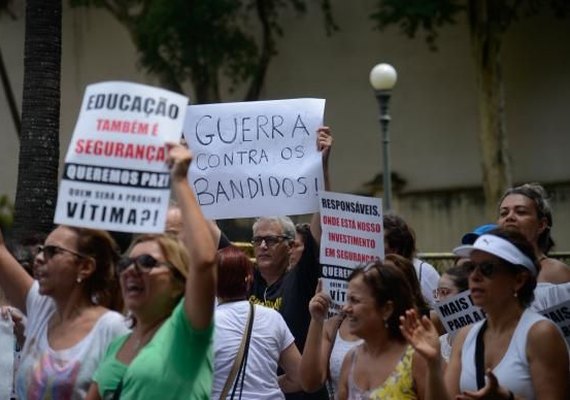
column 352, row 235
column 458, row 311
column 560, row 315
column 255, row 159
column 115, row 176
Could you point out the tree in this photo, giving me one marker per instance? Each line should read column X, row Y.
column 488, row 20
column 36, row 191
column 201, row 42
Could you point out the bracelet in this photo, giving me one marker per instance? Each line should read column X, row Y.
column 511, row 395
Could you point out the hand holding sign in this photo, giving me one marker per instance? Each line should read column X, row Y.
column 324, row 141
column 319, row 304
column 178, row 160
column 421, row 334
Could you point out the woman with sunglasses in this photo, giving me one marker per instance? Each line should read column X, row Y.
column 513, row 354
column 168, row 287
column 329, row 341
column 526, row 209
column 384, row 366
column 69, row 322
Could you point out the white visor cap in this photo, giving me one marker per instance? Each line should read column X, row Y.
column 498, row 247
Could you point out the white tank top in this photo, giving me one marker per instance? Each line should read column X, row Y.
column 339, row 350
column 512, row 371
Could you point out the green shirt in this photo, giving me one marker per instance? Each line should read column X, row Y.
column 175, row 364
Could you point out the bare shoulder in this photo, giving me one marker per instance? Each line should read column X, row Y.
column 554, row 271
column 542, row 333
column 461, row 335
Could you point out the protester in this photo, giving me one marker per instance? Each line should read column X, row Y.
column 276, row 284
column 169, row 289
column 302, row 236
column 68, row 323
column 329, row 341
column 271, row 344
column 526, row 209
column 471, row 237
column 384, row 366
column 452, row 282
column 517, row 350
column 399, row 238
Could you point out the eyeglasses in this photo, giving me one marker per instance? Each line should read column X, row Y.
column 270, row 241
column 441, row 293
column 51, row 250
column 487, row 269
column 142, row 263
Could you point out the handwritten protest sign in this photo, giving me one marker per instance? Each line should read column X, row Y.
column 115, row 176
column 352, row 235
column 255, row 158
column 560, row 315
column 458, row 311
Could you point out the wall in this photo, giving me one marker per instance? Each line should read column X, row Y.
column 434, row 128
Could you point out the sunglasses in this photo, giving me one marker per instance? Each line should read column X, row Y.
column 51, row 250
column 487, row 269
column 269, row 240
column 143, row 263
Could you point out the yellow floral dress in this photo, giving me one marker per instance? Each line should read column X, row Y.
column 398, row 386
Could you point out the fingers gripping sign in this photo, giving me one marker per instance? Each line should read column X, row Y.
column 178, row 160
column 320, row 303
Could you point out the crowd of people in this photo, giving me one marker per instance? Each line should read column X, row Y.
column 187, row 315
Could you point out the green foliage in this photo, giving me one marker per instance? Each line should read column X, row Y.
column 199, row 41
column 414, row 15
column 6, row 213
column 430, row 15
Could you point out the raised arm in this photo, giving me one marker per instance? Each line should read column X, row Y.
column 324, row 145
column 201, row 281
column 14, row 279
column 422, row 335
column 315, row 359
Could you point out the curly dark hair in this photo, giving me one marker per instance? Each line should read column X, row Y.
column 399, row 236
column 102, row 285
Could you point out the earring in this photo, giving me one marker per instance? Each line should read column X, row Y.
column 515, row 294
column 78, row 280
column 386, row 323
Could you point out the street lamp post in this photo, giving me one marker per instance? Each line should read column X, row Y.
column 383, row 78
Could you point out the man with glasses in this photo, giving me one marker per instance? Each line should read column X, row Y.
column 284, row 287
column 281, row 287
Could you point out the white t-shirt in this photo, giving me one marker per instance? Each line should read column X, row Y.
column 64, row 374
column 429, row 279
column 270, row 336
column 548, row 295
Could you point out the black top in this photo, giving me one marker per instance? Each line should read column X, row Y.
column 290, row 295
